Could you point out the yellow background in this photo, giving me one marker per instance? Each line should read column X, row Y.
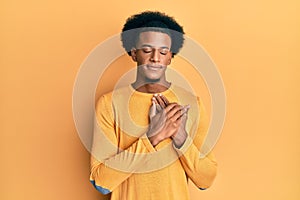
column 255, row 45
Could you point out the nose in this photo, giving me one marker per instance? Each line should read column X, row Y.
column 155, row 56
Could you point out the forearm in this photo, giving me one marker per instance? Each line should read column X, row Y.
column 107, row 174
column 110, row 166
column 202, row 171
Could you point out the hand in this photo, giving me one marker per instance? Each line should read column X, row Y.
column 181, row 135
column 167, row 120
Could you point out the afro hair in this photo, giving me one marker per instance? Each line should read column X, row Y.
column 151, row 21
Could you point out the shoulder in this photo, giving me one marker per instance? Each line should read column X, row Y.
column 112, row 97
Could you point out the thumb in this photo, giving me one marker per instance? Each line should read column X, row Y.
column 185, row 115
column 152, row 110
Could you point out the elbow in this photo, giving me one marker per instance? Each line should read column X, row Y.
column 99, row 188
column 207, row 179
column 94, row 174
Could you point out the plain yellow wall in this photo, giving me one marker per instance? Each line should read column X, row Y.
column 255, row 45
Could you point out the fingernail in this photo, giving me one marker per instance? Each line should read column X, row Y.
column 160, row 95
column 153, row 102
column 155, row 95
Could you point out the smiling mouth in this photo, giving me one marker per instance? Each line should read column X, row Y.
column 154, row 67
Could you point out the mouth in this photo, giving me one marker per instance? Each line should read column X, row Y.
column 154, row 67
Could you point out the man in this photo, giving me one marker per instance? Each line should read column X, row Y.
column 148, row 135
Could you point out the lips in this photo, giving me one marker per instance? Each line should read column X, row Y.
column 154, row 67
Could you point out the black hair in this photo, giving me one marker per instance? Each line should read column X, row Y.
column 151, row 21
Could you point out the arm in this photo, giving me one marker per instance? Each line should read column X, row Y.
column 166, row 121
column 201, row 171
column 110, row 166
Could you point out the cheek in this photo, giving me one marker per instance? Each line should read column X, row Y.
column 167, row 60
column 142, row 59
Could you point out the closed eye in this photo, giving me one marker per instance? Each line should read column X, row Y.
column 164, row 51
column 147, row 50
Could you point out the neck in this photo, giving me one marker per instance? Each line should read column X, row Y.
column 155, row 87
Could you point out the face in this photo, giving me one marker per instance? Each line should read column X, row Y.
column 153, row 55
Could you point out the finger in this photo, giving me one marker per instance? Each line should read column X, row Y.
column 187, row 106
column 174, row 110
column 160, row 101
column 152, row 111
column 170, row 107
column 183, row 118
column 178, row 115
column 185, row 115
column 177, row 108
column 164, row 99
column 157, row 106
column 154, row 99
column 186, row 110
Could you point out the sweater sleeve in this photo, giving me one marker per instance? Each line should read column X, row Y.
column 201, row 170
column 109, row 165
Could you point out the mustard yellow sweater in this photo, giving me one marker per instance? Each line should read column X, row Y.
column 126, row 166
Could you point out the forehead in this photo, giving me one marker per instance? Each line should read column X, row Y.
column 154, row 39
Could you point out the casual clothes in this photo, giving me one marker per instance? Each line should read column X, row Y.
column 125, row 164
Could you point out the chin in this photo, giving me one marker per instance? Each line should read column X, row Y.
column 153, row 77
column 152, row 80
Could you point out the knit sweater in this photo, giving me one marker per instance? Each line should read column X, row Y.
column 125, row 164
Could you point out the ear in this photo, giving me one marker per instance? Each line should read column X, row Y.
column 170, row 58
column 169, row 61
column 133, row 54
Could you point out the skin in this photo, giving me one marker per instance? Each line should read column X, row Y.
column 152, row 55
column 167, row 120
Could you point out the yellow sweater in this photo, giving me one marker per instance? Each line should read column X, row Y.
column 125, row 165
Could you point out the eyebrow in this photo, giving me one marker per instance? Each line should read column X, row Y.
column 148, row 45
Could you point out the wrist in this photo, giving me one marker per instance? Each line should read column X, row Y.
column 179, row 144
column 154, row 140
column 179, row 139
